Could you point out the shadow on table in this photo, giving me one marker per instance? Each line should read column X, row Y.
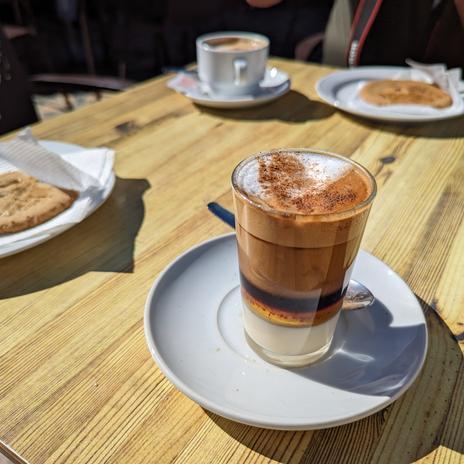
column 426, row 417
column 102, row 242
column 265, row 442
column 448, row 128
column 374, row 358
column 291, row 107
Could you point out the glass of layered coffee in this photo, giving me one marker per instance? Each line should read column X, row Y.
column 300, row 216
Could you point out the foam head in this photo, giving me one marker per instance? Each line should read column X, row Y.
column 302, row 182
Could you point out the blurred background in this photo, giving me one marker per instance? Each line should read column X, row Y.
column 56, row 55
column 138, row 39
column 62, row 54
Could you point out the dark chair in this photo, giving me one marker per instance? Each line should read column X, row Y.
column 24, row 31
column 131, row 35
column 16, row 107
column 22, row 14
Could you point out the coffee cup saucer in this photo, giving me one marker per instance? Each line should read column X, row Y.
column 275, row 84
column 194, row 331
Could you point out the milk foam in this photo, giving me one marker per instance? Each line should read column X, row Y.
column 320, row 169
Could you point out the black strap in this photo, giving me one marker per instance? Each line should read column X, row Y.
column 364, row 17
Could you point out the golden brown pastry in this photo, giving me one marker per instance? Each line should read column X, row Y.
column 25, row 202
column 396, row 92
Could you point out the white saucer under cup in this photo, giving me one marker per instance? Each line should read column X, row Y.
column 194, row 331
column 274, row 84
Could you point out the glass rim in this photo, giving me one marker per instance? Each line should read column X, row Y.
column 336, row 214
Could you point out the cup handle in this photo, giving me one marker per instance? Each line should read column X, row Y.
column 240, row 66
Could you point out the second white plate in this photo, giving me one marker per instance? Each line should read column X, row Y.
column 341, row 90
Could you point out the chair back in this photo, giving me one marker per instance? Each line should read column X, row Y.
column 16, row 108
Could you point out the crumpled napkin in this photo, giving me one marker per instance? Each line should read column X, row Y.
column 448, row 80
column 187, row 83
column 87, row 171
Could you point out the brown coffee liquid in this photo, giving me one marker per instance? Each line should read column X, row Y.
column 299, row 223
column 234, row 44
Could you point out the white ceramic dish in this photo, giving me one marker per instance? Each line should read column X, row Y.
column 42, row 235
column 275, row 84
column 194, row 331
column 341, row 90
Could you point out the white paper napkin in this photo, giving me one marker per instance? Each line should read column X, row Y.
column 87, row 171
column 448, row 80
column 187, row 83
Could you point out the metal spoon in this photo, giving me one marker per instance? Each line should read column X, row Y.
column 357, row 295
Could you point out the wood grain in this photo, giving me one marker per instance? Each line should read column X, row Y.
column 77, row 384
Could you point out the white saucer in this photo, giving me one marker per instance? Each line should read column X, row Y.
column 194, row 331
column 275, row 84
column 341, row 90
column 47, row 231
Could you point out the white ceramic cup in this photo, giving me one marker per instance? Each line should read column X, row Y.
column 232, row 72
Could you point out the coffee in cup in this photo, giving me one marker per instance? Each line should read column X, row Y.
column 300, row 216
column 234, row 44
column 232, row 63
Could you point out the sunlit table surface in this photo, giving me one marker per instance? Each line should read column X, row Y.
column 77, row 382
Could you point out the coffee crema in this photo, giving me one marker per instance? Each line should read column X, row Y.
column 234, row 44
column 300, row 218
column 303, row 183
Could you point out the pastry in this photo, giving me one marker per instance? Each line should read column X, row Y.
column 396, row 92
column 26, row 202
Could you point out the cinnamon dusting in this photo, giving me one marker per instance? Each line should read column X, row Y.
column 287, row 185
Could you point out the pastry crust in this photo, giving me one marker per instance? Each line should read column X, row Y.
column 397, row 92
column 25, row 202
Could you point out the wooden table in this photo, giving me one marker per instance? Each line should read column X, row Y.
column 77, row 383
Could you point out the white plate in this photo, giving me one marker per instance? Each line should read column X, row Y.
column 62, row 149
column 275, row 84
column 341, row 90
column 194, row 331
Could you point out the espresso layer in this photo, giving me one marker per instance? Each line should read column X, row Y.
column 291, row 311
column 292, row 305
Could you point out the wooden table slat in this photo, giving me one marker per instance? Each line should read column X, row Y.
column 77, row 383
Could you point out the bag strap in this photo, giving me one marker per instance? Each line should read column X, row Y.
column 364, row 17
